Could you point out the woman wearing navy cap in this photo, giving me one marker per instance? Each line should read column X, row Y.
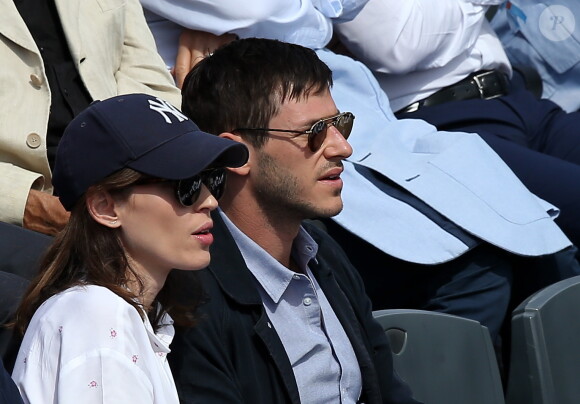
column 140, row 181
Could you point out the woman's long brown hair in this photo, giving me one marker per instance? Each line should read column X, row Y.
column 88, row 253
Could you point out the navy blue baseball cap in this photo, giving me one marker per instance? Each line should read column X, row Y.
column 137, row 131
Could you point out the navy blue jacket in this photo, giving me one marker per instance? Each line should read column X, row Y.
column 9, row 393
column 234, row 355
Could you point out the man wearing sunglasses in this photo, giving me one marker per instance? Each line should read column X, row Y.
column 427, row 197
column 317, row 133
column 286, row 318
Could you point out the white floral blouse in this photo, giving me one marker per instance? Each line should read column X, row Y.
column 87, row 345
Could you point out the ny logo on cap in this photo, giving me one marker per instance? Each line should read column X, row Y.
column 164, row 108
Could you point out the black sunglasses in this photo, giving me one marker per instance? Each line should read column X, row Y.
column 188, row 190
column 317, row 132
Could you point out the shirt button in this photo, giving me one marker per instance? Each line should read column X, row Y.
column 307, row 301
column 296, row 277
column 36, row 80
column 33, row 140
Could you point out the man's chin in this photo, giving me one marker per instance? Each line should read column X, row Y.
column 329, row 212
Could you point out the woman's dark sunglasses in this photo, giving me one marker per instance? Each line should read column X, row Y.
column 317, row 132
column 188, row 190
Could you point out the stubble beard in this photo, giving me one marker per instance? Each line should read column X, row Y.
column 278, row 193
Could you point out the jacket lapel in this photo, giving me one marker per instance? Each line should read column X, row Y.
column 278, row 354
column 12, row 26
column 70, row 20
column 236, row 280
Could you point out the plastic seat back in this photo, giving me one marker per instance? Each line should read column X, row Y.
column 545, row 352
column 445, row 359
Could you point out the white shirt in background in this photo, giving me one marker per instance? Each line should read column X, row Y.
column 417, row 47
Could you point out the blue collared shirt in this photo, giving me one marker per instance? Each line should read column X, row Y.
column 322, row 358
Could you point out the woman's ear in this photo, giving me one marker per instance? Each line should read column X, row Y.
column 245, row 169
column 101, row 207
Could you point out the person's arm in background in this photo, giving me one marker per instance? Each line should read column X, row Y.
column 44, row 213
column 207, row 25
column 275, row 19
column 26, row 204
column 393, row 36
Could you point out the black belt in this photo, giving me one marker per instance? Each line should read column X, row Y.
column 483, row 85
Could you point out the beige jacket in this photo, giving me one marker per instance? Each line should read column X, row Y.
column 114, row 52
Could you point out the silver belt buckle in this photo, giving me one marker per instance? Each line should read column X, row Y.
column 480, row 82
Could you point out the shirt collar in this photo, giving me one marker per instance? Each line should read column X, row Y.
column 272, row 276
column 161, row 339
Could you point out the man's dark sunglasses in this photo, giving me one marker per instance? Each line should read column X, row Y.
column 188, row 190
column 317, row 132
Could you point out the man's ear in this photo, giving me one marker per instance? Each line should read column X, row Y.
column 245, row 169
column 101, row 207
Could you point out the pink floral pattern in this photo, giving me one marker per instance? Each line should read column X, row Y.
column 103, row 336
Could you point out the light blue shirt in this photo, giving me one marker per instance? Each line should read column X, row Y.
column 306, row 22
column 324, row 364
column 546, row 36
